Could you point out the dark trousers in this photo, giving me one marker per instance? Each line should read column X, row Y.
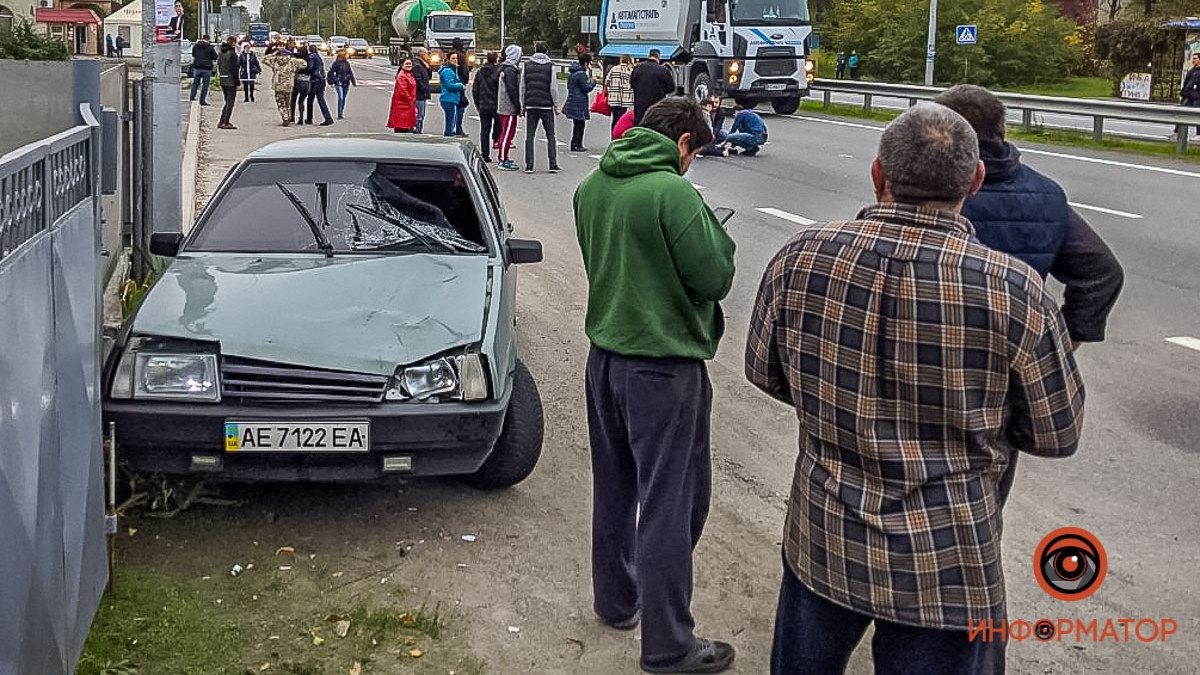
column 462, row 112
column 299, row 98
column 577, row 127
column 489, row 131
column 230, row 98
column 648, row 422
column 545, row 117
column 813, row 635
column 617, row 113
column 316, row 92
column 200, row 83
column 248, row 86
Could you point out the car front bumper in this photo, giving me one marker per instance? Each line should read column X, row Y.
column 437, row 438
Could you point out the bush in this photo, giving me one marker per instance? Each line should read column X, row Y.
column 1020, row 41
column 1130, row 44
column 24, row 44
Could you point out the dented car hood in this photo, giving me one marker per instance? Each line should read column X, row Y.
column 366, row 314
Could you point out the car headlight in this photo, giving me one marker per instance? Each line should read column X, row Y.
column 436, row 58
column 471, row 58
column 152, row 374
column 458, row 378
column 370, row 51
column 351, row 51
column 734, row 67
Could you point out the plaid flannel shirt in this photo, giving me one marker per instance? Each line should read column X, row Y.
column 917, row 359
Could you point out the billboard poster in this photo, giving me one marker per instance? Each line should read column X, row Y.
column 168, row 20
column 1136, row 86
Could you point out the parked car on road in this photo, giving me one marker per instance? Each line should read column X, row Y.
column 318, row 43
column 364, row 326
column 185, row 56
column 358, row 48
column 337, row 43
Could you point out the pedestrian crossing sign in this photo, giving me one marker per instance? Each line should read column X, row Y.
column 966, row 34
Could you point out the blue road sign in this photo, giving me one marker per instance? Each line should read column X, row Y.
column 967, row 34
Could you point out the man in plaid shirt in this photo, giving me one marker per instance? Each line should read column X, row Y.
column 916, row 358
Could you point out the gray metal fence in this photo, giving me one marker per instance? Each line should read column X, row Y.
column 52, row 549
column 1097, row 109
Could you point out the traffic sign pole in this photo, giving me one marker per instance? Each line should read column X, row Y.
column 931, row 44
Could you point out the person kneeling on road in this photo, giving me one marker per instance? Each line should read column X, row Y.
column 645, row 233
column 749, row 132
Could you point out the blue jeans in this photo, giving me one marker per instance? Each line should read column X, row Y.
column 420, row 115
column 745, row 141
column 343, row 90
column 813, row 635
column 452, row 112
column 201, row 80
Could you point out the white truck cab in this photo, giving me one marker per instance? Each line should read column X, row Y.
column 750, row 50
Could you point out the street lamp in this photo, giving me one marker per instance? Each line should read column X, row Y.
column 931, row 44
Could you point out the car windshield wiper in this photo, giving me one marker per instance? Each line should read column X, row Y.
column 318, row 234
column 426, row 239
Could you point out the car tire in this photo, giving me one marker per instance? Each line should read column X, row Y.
column 520, row 443
column 785, row 106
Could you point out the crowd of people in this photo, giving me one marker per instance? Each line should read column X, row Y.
column 917, row 342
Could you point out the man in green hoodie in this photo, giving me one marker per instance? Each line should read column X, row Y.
column 657, row 262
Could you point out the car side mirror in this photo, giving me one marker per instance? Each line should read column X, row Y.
column 165, row 243
column 524, row 251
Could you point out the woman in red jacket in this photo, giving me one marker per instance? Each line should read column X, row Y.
column 404, row 101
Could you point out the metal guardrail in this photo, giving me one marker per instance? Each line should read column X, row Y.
column 1098, row 109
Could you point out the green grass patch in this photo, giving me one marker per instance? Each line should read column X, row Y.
column 1064, row 137
column 155, row 621
column 1075, row 87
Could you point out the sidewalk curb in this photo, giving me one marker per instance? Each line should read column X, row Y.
column 191, row 151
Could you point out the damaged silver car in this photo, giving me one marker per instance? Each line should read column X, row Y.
column 343, row 309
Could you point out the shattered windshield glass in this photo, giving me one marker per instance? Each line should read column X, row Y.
column 357, row 206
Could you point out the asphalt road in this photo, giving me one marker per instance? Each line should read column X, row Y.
column 1133, row 482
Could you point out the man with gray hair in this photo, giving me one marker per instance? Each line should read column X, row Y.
column 915, row 358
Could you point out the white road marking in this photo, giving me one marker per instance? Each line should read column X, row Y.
column 1101, row 209
column 474, row 117
column 698, row 186
column 1031, row 151
column 555, row 142
column 1113, row 162
column 1189, row 342
column 791, row 217
column 596, row 156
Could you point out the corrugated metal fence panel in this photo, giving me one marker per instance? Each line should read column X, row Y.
column 52, row 563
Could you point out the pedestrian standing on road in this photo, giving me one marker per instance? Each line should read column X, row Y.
column 539, row 103
column 403, row 117
column 1025, row 214
column 1190, row 92
column 341, row 78
column 651, row 82
column 748, row 133
column 464, row 76
column 283, row 67
column 452, row 93
column 580, row 84
column 840, row 66
column 110, row 47
column 301, row 86
column 914, row 357
column 658, row 263
column 204, row 59
column 420, row 73
column 120, row 47
column 486, row 91
column 508, row 105
column 227, row 68
column 248, row 70
column 616, row 85
column 853, row 63
column 316, row 91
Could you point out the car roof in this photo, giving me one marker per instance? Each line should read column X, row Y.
column 371, row 147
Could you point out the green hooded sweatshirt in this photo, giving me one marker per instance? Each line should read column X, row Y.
column 657, row 259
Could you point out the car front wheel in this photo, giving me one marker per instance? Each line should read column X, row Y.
column 520, row 443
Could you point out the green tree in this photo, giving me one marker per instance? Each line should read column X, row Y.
column 1020, row 41
column 23, row 43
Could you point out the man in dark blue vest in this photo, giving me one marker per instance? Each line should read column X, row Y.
column 539, row 104
column 1026, row 215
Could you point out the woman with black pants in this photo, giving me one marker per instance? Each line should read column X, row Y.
column 579, row 85
column 300, row 87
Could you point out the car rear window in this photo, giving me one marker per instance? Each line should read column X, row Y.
column 359, row 206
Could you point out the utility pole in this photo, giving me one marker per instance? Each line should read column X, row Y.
column 502, row 45
column 931, row 45
column 161, row 123
column 334, row 17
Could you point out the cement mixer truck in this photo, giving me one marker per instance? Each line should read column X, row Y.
column 430, row 24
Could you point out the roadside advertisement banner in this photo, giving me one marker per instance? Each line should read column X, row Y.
column 1136, row 86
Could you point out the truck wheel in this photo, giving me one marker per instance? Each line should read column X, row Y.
column 520, row 443
column 702, row 86
column 786, row 106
